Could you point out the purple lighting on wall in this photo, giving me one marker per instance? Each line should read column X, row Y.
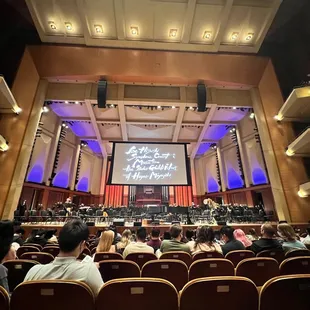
column 94, row 146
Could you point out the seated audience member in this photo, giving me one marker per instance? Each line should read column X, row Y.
column 167, row 235
column 189, row 236
column 106, row 242
column 288, row 234
column 140, row 246
column 6, row 238
column 72, row 239
column 18, row 236
column 126, row 240
column 240, row 235
column 306, row 240
column 267, row 241
column 231, row 244
column 155, row 241
column 252, row 234
column 175, row 243
column 205, row 241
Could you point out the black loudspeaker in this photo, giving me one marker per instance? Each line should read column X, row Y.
column 137, row 224
column 119, row 222
column 102, row 94
column 90, row 223
column 221, row 223
column 201, row 98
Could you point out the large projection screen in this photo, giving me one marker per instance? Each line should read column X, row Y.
column 149, row 164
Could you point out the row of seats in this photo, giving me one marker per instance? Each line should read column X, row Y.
column 258, row 269
column 234, row 293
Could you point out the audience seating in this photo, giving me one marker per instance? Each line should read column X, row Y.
column 237, row 256
column 297, row 253
column 211, row 268
column 4, row 299
column 277, row 254
column 42, row 258
column 258, row 269
column 115, row 269
column 307, row 246
column 53, row 250
column 206, row 255
column 107, row 256
column 183, row 256
column 17, row 270
column 141, row 258
column 93, row 251
column 25, row 248
column 85, row 252
column 295, row 265
column 174, row 271
column 233, row 293
column 35, row 245
column 138, row 293
column 286, row 292
column 50, row 294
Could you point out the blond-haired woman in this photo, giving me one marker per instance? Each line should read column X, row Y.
column 287, row 233
column 106, row 242
column 126, row 239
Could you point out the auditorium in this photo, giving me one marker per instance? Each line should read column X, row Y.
column 157, row 151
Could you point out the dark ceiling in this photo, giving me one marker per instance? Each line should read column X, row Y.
column 287, row 41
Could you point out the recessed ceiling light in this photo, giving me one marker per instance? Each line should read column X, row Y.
column 98, row 28
column 173, row 33
column 134, row 31
column 173, row 107
column 159, row 107
column 76, row 102
column 68, row 26
column 234, row 108
column 234, row 35
column 52, row 25
column 207, row 35
column 191, row 108
column 249, row 36
column 66, row 102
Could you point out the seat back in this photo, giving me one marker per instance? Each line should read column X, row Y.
column 175, row 271
column 138, row 293
column 141, row 258
column 25, row 248
column 107, row 256
column 84, row 253
column 53, row 250
column 211, row 268
column 258, row 269
column 42, row 258
column 295, row 265
column 4, row 299
column 277, row 254
column 35, row 245
column 297, row 253
column 183, row 256
column 237, row 256
column 115, row 269
column 286, row 292
column 207, row 255
column 51, row 295
column 17, row 270
column 220, row 293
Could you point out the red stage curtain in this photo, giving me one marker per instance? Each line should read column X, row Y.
column 183, row 195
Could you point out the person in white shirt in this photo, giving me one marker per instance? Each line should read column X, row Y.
column 72, row 239
column 139, row 246
column 306, row 240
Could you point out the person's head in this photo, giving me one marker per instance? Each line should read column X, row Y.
column 252, row 232
column 176, row 232
column 189, row 234
column 267, row 231
column 105, row 241
column 20, row 232
column 205, row 235
column 287, row 232
column 167, row 235
column 155, row 233
column 6, row 238
column 227, row 233
column 141, row 234
column 72, row 237
column 240, row 236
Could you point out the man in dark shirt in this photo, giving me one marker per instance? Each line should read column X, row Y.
column 231, row 244
column 267, row 241
column 155, row 242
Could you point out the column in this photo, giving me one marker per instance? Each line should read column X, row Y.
column 193, row 177
column 74, row 166
column 103, row 179
column 222, row 169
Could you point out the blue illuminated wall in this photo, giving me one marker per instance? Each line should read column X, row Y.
column 234, row 179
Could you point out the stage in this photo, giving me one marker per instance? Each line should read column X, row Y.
column 28, row 227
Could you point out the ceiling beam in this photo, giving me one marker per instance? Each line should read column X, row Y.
column 223, row 122
column 86, row 30
column 188, row 21
column 223, row 23
column 178, row 123
column 122, row 117
column 75, row 119
column 120, row 19
column 203, row 131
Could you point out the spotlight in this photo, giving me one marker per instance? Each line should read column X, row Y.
column 4, row 145
column 66, row 102
column 134, row 31
column 173, row 33
column 45, row 109
column 76, row 102
column 158, row 107
column 252, row 115
column 234, row 36
column 111, row 105
column 278, row 117
column 289, row 152
column 67, row 126
column 207, row 35
column 234, row 108
column 68, row 26
column 173, row 107
column 301, row 193
column 249, row 36
column 63, row 125
column 17, row 110
column 52, row 25
column 191, row 108
column 98, row 28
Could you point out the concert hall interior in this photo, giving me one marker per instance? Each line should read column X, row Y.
column 220, row 94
